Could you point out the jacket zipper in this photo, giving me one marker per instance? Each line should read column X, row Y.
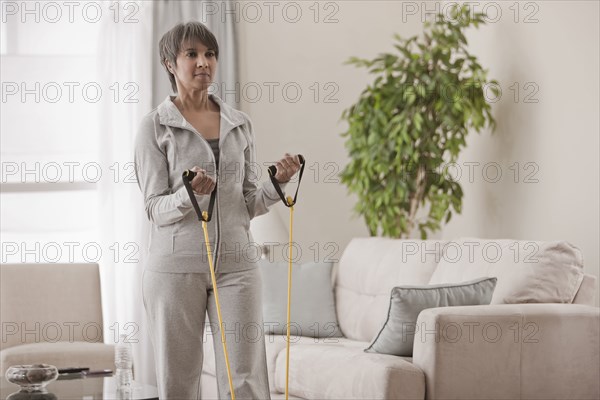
column 217, row 197
column 217, row 173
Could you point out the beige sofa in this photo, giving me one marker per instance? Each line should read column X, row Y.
column 52, row 313
column 496, row 351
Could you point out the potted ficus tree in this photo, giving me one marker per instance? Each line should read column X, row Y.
column 411, row 122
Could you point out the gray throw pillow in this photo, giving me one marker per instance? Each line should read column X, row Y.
column 406, row 302
column 313, row 308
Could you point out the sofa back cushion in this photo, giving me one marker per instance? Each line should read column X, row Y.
column 50, row 303
column 368, row 270
column 527, row 271
column 312, row 310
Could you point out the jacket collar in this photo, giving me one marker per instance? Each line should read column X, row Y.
column 170, row 115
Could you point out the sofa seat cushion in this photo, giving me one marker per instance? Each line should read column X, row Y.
column 275, row 344
column 61, row 354
column 345, row 371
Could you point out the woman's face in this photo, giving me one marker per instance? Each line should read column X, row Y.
column 196, row 66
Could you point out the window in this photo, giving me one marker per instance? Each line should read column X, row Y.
column 48, row 132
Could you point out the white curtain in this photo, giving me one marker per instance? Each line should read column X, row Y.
column 129, row 65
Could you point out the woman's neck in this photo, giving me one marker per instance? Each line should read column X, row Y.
column 194, row 102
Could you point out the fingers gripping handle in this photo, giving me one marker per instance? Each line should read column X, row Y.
column 205, row 216
column 273, row 171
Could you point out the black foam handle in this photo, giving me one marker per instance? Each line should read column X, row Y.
column 273, row 171
column 190, row 174
column 187, row 177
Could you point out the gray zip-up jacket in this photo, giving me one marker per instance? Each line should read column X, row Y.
column 166, row 145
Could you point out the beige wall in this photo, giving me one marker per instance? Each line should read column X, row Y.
column 558, row 135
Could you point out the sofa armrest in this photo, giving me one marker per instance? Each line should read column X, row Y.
column 509, row 351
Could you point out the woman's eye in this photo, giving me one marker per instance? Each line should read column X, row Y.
column 191, row 54
column 210, row 54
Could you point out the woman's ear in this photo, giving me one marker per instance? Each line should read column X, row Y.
column 169, row 67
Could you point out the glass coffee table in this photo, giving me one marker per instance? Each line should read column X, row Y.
column 89, row 388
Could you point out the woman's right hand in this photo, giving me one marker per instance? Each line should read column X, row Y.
column 202, row 183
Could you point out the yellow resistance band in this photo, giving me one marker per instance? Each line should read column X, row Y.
column 289, row 202
column 289, row 299
column 214, row 283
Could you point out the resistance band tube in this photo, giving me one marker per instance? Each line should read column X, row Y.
column 289, row 202
column 205, row 217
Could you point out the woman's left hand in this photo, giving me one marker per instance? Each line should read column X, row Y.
column 287, row 167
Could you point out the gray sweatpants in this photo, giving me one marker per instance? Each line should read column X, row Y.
column 176, row 305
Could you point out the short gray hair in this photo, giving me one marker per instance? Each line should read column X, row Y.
column 171, row 42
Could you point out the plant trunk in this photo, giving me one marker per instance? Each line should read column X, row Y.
column 416, row 198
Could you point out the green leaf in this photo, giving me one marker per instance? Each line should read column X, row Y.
column 410, row 96
column 448, row 216
column 418, row 121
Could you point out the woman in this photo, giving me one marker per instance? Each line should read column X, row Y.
column 198, row 131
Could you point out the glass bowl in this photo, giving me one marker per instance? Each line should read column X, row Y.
column 22, row 395
column 31, row 378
